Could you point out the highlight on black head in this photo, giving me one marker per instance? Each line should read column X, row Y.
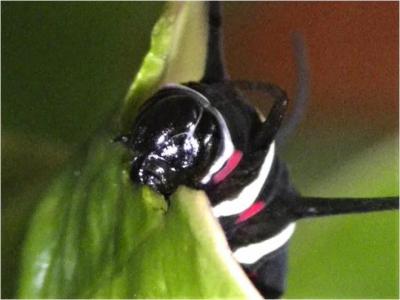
column 176, row 140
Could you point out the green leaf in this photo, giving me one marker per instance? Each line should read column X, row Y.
column 174, row 55
column 94, row 234
column 23, row 155
column 74, row 69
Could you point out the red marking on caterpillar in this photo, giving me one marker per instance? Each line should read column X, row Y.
column 251, row 211
column 230, row 165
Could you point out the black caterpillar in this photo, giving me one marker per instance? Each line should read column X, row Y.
column 206, row 136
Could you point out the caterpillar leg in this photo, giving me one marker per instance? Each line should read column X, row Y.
column 269, row 273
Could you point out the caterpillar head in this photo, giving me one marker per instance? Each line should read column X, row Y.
column 178, row 138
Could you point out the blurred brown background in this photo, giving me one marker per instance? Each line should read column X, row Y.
column 352, row 49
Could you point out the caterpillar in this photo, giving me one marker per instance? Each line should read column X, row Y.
column 205, row 135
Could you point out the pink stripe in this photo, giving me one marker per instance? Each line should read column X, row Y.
column 230, row 165
column 251, row 211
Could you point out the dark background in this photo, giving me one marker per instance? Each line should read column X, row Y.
column 67, row 66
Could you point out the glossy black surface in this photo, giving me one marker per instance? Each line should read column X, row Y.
column 173, row 141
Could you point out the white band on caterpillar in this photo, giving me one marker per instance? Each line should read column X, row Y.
column 253, row 252
column 249, row 194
